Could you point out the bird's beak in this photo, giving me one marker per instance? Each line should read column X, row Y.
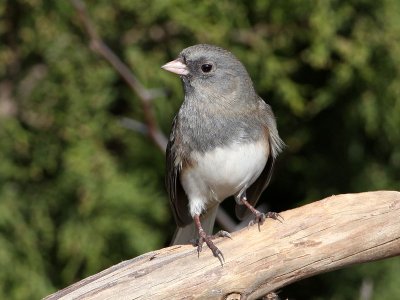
column 176, row 66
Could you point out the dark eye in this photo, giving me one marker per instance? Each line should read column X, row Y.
column 206, row 68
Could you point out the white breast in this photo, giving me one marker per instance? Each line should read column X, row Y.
column 222, row 172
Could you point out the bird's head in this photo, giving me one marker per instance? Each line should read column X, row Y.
column 210, row 71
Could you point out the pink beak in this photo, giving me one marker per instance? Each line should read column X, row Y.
column 176, row 66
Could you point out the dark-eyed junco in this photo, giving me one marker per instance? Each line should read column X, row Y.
column 223, row 143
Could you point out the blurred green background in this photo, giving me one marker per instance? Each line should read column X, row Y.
column 79, row 192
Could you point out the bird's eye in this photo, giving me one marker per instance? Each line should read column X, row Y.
column 206, row 68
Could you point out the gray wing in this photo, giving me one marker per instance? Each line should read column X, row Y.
column 177, row 196
column 275, row 143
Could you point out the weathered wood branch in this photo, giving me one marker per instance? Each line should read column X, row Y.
column 319, row 237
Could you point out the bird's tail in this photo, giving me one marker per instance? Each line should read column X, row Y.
column 187, row 234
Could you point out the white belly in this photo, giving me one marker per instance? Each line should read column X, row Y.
column 221, row 173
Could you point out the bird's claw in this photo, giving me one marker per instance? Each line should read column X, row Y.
column 200, row 242
column 218, row 254
column 222, row 233
column 275, row 216
column 260, row 218
column 214, row 249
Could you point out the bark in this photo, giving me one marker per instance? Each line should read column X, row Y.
column 319, row 237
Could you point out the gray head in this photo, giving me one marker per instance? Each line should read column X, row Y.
column 211, row 73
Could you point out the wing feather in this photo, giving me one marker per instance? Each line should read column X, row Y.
column 177, row 196
column 275, row 145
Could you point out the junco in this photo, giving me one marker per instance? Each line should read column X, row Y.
column 223, row 143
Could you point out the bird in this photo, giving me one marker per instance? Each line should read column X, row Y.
column 223, row 142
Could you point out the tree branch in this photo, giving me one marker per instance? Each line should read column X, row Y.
column 319, row 237
column 145, row 95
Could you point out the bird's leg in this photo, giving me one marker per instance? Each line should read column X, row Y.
column 203, row 237
column 259, row 216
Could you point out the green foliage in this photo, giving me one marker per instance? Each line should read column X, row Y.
column 79, row 193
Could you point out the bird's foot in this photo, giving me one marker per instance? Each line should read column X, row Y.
column 275, row 216
column 260, row 218
column 214, row 249
column 204, row 237
column 221, row 233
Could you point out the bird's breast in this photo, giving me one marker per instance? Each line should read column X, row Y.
column 223, row 171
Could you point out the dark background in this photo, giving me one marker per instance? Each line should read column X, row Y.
column 79, row 192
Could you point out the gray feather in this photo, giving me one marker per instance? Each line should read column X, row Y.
column 220, row 108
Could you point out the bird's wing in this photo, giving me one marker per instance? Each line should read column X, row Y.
column 275, row 145
column 177, row 196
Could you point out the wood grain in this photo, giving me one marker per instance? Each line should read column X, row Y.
column 319, row 237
